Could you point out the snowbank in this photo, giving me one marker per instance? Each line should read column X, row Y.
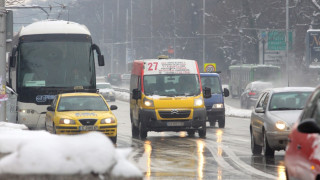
column 39, row 152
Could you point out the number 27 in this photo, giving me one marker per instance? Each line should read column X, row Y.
column 150, row 65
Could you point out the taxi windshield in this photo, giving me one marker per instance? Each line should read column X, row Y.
column 82, row 103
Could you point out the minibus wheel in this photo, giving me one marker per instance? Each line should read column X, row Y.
column 142, row 130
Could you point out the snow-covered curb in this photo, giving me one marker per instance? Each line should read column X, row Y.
column 39, row 152
column 230, row 111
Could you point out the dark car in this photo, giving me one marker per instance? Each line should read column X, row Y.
column 302, row 160
column 250, row 95
column 114, row 79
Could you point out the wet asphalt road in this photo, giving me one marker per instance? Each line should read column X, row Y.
column 223, row 154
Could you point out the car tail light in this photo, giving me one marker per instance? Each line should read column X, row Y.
column 251, row 93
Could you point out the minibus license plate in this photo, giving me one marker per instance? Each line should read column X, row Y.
column 88, row 128
column 175, row 123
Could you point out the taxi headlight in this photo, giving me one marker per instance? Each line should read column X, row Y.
column 108, row 121
column 217, row 106
column 198, row 102
column 148, row 102
column 280, row 125
column 66, row 121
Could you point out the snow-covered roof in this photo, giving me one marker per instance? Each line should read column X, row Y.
column 54, row 27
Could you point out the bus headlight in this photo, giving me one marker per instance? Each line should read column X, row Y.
column 29, row 111
column 280, row 125
column 108, row 121
column 148, row 102
column 66, row 121
column 217, row 106
column 198, row 102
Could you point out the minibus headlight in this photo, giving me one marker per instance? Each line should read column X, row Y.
column 217, row 106
column 148, row 102
column 198, row 102
column 66, row 121
column 108, row 121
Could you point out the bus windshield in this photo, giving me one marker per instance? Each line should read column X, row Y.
column 55, row 64
column 171, row 85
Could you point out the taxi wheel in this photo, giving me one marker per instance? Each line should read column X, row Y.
column 203, row 132
column 142, row 132
column 255, row 149
column 191, row 133
column 266, row 148
column 54, row 129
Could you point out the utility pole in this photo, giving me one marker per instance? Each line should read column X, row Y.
column 287, row 40
column 2, row 60
column 204, row 33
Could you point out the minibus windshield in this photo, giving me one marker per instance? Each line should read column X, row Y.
column 171, row 85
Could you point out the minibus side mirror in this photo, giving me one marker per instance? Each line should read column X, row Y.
column 50, row 108
column 136, row 94
column 225, row 92
column 207, row 92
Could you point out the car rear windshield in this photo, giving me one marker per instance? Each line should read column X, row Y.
column 82, row 103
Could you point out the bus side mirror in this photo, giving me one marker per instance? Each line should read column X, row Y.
column 100, row 57
column 207, row 92
column 225, row 92
column 136, row 94
column 101, row 60
column 13, row 57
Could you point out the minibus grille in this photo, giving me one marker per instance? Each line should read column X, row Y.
column 174, row 113
column 88, row 121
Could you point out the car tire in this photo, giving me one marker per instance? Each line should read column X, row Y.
column 143, row 133
column 114, row 139
column 222, row 122
column 255, row 149
column 267, row 151
column 191, row 133
column 203, row 131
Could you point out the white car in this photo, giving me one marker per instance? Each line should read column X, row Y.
column 106, row 90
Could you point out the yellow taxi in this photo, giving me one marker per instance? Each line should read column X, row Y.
column 79, row 112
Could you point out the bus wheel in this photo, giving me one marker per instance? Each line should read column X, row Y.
column 203, row 131
column 222, row 122
column 142, row 131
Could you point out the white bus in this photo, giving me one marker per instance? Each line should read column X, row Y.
column 51, row 57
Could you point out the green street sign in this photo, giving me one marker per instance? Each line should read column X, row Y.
column 277, row 40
